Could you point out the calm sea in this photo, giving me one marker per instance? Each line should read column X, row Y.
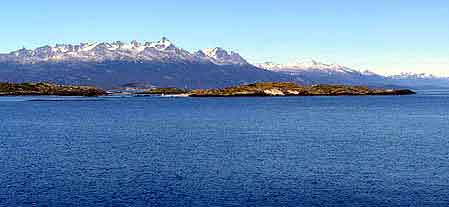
column 283, row 151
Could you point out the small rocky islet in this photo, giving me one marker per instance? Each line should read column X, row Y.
column 255, row 89
column 47, row 89
column 280, row 89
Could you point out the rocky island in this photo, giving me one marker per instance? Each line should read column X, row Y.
column 282, row 89
column 43, row 89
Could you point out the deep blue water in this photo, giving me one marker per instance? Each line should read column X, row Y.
column 284, row 151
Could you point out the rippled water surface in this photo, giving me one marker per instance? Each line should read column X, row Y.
column 285, row 151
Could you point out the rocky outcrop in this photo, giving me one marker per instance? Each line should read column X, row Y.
column 41, row 89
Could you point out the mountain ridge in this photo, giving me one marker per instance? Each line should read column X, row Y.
column 163, row 64
column 162, row 50
column 118, row 64
column 321, row 73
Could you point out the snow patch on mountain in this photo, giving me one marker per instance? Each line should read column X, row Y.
column 310, row 66
column 220, row 56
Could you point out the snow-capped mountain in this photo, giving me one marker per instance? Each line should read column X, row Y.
column 220, row 56
column 163, row 50
column 307, row 66
column 163, row 64
column 117, row 64
column 409, row 75
column 420, row 80
column 315, row 72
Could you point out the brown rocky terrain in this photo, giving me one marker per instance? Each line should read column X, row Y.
column 285, row 89
column 41, row 89
column 292, row 89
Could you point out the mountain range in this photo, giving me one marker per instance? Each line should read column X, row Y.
column 160, row 51
column 163, row 64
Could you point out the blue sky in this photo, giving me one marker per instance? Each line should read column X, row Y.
column 386, row 36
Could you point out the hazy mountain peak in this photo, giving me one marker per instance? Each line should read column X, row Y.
column 313, row 64
column 306, row 65
column 368, row 72
column 317, row 72
column 409, row 75
column 270, row 66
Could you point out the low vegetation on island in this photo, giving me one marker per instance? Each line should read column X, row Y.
column 165, row 91
column 282, row 89
column 43, row 89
